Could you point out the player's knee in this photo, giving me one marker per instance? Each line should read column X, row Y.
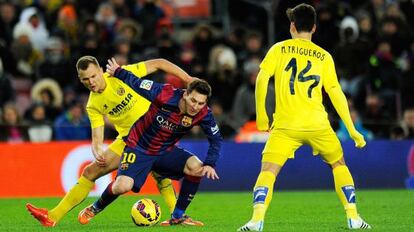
column 192, row 166
column 338, row 163
column 122, row 185
column 91, row 172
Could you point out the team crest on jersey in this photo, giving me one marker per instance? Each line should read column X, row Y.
column 146, row 84
column 124, row 166
column 120, row 91
column 186, row 121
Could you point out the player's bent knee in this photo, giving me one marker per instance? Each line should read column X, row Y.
column 193, row 165
column 122, row 185
column 92, row 171
column 338, row 163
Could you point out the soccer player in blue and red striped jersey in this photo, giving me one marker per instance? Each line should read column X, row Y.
column 152, row 140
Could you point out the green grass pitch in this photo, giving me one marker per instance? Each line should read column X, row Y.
column 385, row 210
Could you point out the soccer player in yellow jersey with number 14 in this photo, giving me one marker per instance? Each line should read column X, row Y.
column 109, row 97
column 300, row 69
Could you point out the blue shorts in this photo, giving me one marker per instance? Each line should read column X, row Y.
column 138, row 165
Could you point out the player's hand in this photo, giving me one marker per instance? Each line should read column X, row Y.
column 358, row 139
column 209, row 172
column 100, row 160
column 111, row 66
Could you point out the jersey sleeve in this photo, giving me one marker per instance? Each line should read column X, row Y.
column 330, row 79
column 211, row 129
column 139, row 69
column 146, row 88
column 95, row 116
column 269, row 62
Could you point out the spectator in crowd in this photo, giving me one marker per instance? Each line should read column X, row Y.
column 343, row 134
column 8, row 20
column 107, row 20
column 253, row 47
column 244, row 109
column 12, row 129
column 148, row 15
column 67, row 23
column 223, row 76
column 6, row 90
column 376, row 116
column 73, row 124
column 23, row 52
column 48, row 93
column 408, row 123
column 203, row 42
column 39, row 126
column 31, row 19
column 55, row 64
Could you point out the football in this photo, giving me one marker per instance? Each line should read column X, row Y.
column 146, row 212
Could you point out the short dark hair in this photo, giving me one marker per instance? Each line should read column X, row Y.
column 304, row 17
column 84, row 61
column 201, row 86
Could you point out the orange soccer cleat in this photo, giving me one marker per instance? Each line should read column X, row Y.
column 42, row 215
column 185, row 220
column 86, row 215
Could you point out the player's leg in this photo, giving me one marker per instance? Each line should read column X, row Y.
column 174, row 165
column 166, row 189
column 132, row 173
column 79, row 191
column 279, row 147
column 329, row 147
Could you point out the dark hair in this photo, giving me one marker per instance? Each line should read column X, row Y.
column 304, row 17
column 84, row 61
column 201, row 86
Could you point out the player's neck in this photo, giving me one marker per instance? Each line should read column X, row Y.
column 302, row 35
column 103, row 86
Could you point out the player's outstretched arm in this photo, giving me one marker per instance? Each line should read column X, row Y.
column 168, row 67
column 262, row 82
column 340, row 103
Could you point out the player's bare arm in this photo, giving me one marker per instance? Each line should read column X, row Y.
column 97, row 143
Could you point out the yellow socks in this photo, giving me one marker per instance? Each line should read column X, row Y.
column 344, row 187
column 72, row 198
column 167, row 191
column 262, row 194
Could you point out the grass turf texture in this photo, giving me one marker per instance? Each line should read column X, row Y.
column 385, row 210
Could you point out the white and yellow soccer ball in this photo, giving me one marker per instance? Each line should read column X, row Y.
column 146, row 212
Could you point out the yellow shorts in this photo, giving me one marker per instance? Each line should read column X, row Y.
column 283, row 143
column 117, row 146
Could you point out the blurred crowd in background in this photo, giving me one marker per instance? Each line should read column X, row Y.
column 41, row 98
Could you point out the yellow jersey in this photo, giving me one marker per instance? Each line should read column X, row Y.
column 122, row 105
column 300, row 69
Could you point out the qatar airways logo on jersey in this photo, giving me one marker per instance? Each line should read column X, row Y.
column 164, row 123
column 125, row 105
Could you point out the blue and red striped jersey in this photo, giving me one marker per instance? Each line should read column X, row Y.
column 160, row 128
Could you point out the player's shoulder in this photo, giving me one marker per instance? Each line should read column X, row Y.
column 327, row 54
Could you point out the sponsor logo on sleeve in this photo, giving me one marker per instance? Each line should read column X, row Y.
column 146, row 84
column 215, row 129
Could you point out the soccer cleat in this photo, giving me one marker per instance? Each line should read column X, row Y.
column 252, row 226
column 42, row 215
column 190, row 222
column 86, row 215
column 358, row 223
column 185, row 220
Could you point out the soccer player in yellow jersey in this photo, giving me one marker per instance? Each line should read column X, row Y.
column 122, row 106
column 300, row 69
